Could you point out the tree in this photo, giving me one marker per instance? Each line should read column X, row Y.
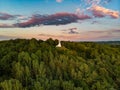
column 11, row 84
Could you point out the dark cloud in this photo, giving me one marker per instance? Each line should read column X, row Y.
column 55, row 19
column 5, row 16
column 71, row 31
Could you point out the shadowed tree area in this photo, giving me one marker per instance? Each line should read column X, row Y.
column 40, row 65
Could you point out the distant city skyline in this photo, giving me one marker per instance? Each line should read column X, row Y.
column 74, row 20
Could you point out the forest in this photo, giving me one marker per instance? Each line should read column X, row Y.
column 30, row 64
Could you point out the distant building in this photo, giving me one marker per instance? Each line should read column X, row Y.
column 59, row 44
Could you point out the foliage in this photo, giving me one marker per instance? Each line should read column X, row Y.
column 40, row 65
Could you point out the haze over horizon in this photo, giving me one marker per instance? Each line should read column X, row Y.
column 74, row 20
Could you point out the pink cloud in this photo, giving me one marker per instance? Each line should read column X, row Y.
column 99, row 11
column 54, row 19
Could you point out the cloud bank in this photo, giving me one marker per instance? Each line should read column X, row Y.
column 55, row 19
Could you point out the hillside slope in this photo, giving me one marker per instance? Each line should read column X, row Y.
column 40, row 65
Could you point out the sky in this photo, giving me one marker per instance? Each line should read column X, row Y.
column 73, row 20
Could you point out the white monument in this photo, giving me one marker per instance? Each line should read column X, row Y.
column 59, row 44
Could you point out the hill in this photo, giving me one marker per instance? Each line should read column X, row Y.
column 40, row 65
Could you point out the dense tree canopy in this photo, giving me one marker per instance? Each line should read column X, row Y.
column 40, row 65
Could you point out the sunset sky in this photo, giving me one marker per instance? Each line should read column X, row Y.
column 74, row 20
